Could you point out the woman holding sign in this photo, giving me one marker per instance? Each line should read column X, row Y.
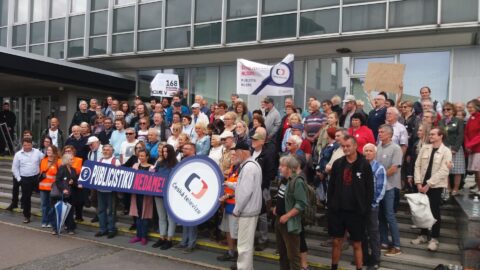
column 141, row 206
column 165, row 163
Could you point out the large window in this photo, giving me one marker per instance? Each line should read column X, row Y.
column 307, row 4
column 21, row 11
column 454, row 11
column 79, row 6
column 75, row 48
column 208, row 10
column 99, row 4
column 319, row 22
column 39, row 10
column 280, row 26
column 244, row 8
column 123, row 19
column 76, row 27
column 150, row 15
column 98, row 23
column 3, row 37
column 3, row 12
column 19, row 35
column 274, row 6
column 356, row 18
column 37, row 32
column 206, row 34
column 241, row 30
column 204, row 82
column 177, row 37
column 57, row 30
column 122, row 43
column 412, row 12
column 326, row 77
column 149, row 40
column 56, row 50
column 58, row 8
column 98, row 46
column 178, row 12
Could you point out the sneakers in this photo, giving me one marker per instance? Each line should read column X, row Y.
column 144, row 241
column 49, row 226
column 26, row 220
column 227, row 257
column 455, row 193
column 393, row 252
column 166, row 245
column 421, row 239
column 384, row 248
column 159, row 243
column 44, row 225
column 135, row 240
column 433, row 245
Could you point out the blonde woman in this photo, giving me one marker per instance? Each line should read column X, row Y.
column 182, row 140
column 173, row 139
column 293, row 119
column 216, row 150
column 229, row 121
column 202, row 145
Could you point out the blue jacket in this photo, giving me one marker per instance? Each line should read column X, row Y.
column 379, row 182
column 152, row 148
column 169, row 113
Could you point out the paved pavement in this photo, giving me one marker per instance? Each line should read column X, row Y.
column 31, row 247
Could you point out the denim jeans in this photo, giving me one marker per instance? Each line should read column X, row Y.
column 47, row 210
column 142, row 228
column 165, row 223
column 106, row 211
column 387, row 220
column 189, row 236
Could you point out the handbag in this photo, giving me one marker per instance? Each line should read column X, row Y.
column 56, row 193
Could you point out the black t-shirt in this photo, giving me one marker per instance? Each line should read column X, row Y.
column 280, row 206
column 428, row 174
column 348, row 201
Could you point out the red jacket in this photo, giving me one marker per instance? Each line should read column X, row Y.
column 472, row 133
column 363, row 135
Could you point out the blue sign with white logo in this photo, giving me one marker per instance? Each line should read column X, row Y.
column 192, row 190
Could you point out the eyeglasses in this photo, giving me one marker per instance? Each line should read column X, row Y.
column 130, row 133
column 405, row 107
column 289, row 143
column 143, row 123
column 176, row 129
column 447, row 109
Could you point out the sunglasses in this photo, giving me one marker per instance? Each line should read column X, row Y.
column 289, row 143
column 143, row 123
column 447, row 109
column 130, row 133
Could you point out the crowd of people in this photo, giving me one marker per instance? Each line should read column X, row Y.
column 358, row 164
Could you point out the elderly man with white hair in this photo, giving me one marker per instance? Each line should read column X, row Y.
column 314, row 122
column 204, row 109
column 372, row 235
column 400, row 133
column 82, row 115
column 293, row 148
column 153, row 140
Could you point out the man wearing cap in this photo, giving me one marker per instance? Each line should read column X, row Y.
column 228, row 140
column 248, row 204
column 272, row 118
column 349, row 108
column 176, row 106
column 265, row 154
column 198, row 116
column 377, row 116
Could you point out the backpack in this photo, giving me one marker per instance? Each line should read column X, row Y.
column 310, row 211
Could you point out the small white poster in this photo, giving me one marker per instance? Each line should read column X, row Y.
column 164, row 85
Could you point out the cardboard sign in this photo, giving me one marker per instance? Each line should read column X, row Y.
column 164, row 85
column 259, row 79
column 384, row 77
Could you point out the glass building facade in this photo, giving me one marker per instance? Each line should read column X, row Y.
column 83, row 29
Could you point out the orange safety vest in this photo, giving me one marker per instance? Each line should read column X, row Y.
column 51, row 172
column 233, row 178
column 77, row 164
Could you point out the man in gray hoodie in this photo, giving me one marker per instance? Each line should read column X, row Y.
column 248, row 203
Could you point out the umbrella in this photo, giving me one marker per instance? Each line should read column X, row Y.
column 61, row 211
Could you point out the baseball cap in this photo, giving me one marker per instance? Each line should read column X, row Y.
column 92, row 139
column 242, row 145
column 268, row 100
column 349, row 98
column 297, row 126
column 258, row 136
column 226, row 134
column 195, row 105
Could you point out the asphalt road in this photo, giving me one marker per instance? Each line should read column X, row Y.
column 23, row 247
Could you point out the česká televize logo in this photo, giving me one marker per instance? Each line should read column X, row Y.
column 280, row 73
column 204, row 186
column 193, row 189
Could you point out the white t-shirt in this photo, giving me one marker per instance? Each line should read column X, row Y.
column 256, row 154
column 127, row 150
column 109, row 161
column 142, row 135
column 54, row 136
column 216, row 153
column 173, row 142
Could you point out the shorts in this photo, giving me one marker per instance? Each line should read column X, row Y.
column 341, row 221
column 229, row 224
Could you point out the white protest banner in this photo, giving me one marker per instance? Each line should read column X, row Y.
column 259, row 79
column 164, row 85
